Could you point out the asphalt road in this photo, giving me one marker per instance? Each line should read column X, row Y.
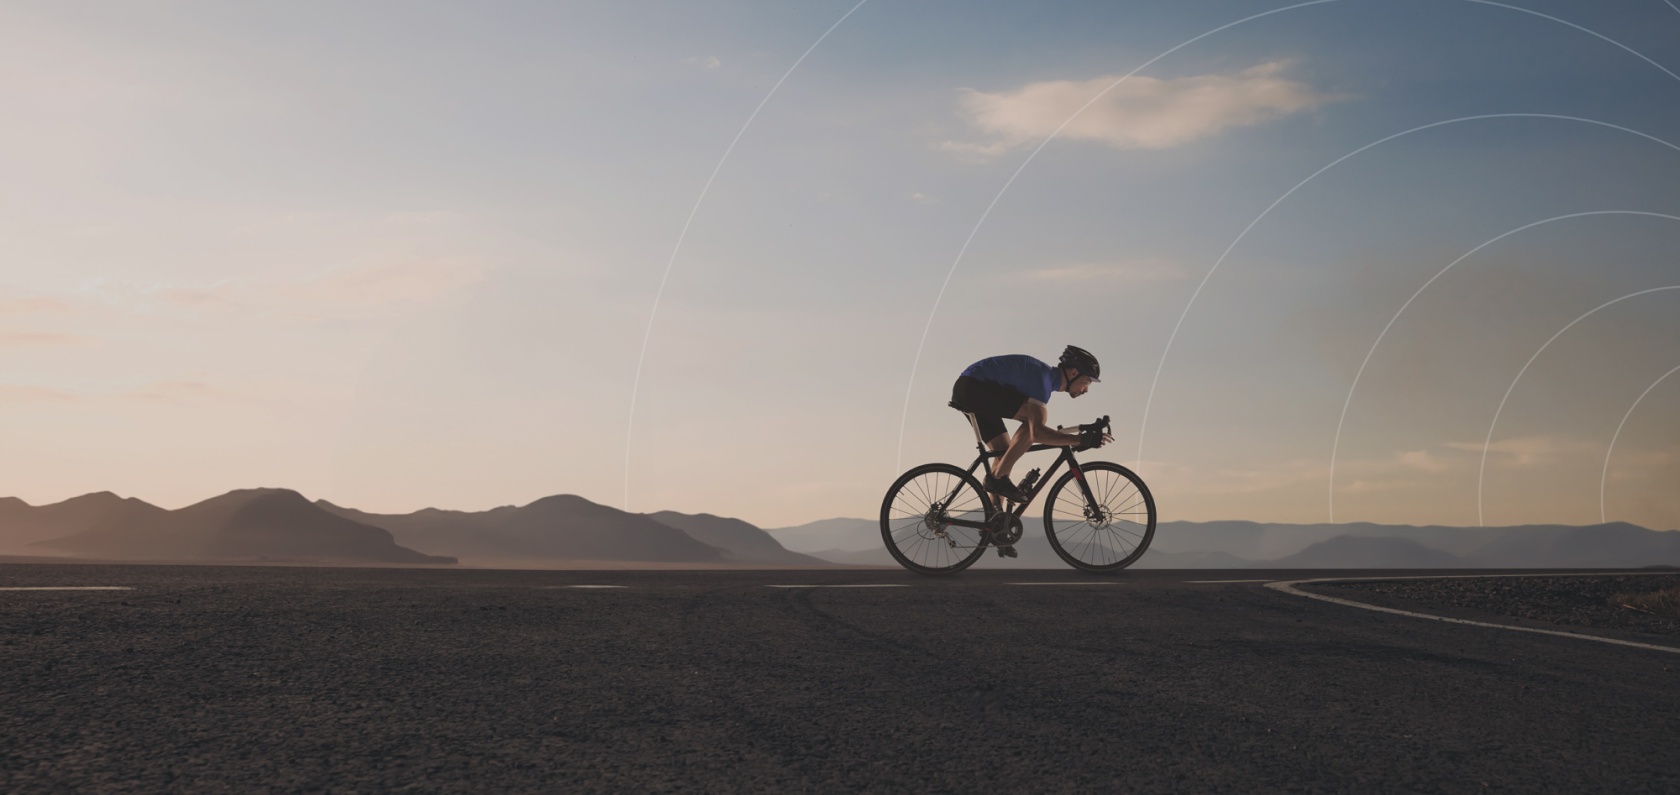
column 291, row 679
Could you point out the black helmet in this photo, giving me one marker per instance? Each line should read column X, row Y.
column 1081, row 361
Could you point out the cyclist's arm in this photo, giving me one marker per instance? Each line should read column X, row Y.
column 1036, row 414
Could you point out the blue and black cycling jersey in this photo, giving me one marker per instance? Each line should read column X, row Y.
column 1020, row 372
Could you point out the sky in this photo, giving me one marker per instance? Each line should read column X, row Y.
column 1353, row 260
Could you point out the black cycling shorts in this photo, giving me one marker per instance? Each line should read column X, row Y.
column 990, row 403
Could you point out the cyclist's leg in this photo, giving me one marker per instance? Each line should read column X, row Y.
column 990, row 404
column 1023, row 439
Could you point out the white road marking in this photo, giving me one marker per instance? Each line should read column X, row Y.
column 594, row 586
column 857, row 585
column 1288, row 587
column 1061, row 583
column 1213, row 582
column 68, row 588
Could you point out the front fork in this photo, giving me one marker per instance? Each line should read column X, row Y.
column 1095, row 513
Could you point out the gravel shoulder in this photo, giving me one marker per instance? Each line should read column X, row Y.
column 1568, row 602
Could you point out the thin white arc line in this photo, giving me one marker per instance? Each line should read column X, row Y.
column 1495, row 421
column 1605, row 475
column 1593, row 33
column 68, row 588
column 1167, row 350
column 1673, row 6
column 1288, row 587
column 636, row 381
column 594, row 587
column 1335, row 446
column 1218, row 582
column 904, row 418
column 915, row 364
column 1588, row 31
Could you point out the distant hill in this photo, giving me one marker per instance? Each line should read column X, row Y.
column 558, row 528
column 281, row 525
column 741, row 542
column 457, row 533
column 1359, row 552
column 22, row 524
column 1233, row 544
column 1258, row 541
column 857, row 542
column 246, row 525
column 831, row 535
column 1613, row 545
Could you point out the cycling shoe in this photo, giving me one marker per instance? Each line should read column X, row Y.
column 1003, row 488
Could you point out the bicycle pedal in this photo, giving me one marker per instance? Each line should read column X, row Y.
column 1007, row 552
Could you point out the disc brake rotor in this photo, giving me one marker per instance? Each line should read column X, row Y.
column 1098, row 516
column 933, row 524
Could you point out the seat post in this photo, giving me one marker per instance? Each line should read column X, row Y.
column 974, row 423
column 979, row 443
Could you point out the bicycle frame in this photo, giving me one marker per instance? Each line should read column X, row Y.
column 1020, row 509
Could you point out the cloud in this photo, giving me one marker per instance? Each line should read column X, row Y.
column 10, row 393
column 34, row 304
column 27, row 338
column 377, row 289
column 1139, row 113
column 1636, row 464
column 205, row 298
column 1104, row 274
column 1165, row 477
column 1529, row 451
column 1406, row 470
column 394, row 284
column 177, row 391
column 1423, row 461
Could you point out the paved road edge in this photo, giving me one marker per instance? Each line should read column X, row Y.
column 1288, row 587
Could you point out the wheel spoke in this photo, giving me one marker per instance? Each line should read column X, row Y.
column 904, row 519
column 1127, row 518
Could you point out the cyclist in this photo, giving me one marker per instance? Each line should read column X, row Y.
column 1017, row 387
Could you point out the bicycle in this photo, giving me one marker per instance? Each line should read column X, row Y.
column 936, row 519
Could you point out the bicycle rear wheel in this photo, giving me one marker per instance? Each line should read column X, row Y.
column 914, row 519
column 1107, row 534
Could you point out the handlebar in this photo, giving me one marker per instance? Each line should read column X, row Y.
column 1101, row 427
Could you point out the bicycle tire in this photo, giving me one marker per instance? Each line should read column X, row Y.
column 909, row 525
column 1124, row 527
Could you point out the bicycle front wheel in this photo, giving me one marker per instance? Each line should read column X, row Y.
column 915, row 519
column 1104, row 526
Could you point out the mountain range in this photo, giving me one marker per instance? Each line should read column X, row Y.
column 281, row 525
column 1238, row 544
column 249, row 524
column 571, row 528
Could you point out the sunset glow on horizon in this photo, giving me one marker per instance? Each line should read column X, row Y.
column 1404, row 263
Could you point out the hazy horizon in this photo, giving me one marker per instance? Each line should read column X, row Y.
column 406, row 255
column 448, row 508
